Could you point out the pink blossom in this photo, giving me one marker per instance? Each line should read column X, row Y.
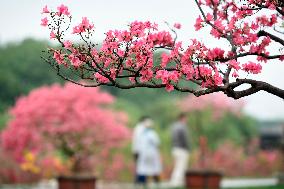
column 177, row 25
column 52, row 35
column 272, row 6
column 132, row 79
column 235, row 74
column 174, row 76
column 169, row 87
column 84, row 26
column 163, row 75
column 215, row 53
column 147, row 75
column 198, row 23
column 44, row 22
column 58, row 57
column 63, row 10
column 165, row 60
column 45, row 10
column 252, row 67
column 75, row 61
column 129, row 62
column 209, row 17
column 234, row 64
column 67, row 44
column 100, row 78
column 162, row 38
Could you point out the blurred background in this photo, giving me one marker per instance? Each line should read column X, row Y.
column 244, row 136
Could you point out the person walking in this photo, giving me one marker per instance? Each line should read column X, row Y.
column 136, row 144
column 180, row 150
column 138, row 129
column 149, row 162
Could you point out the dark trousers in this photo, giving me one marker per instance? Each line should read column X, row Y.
column 135, row 157
column 143, row 179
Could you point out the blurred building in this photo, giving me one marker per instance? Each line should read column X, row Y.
column 271, row 135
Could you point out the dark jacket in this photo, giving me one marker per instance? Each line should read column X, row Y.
column 180, row 136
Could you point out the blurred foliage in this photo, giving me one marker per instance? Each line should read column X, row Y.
column 238, row 161
column 4, row 117
column 22, row 69
column 238, row 128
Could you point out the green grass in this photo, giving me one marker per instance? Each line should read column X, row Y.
column 266, row 187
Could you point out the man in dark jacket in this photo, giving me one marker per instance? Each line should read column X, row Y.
column 180, row 150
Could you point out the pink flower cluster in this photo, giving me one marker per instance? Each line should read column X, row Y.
column 84, row 26
column 167, row 77
column 63, row 10
column 252, row 67
column 130, row 53
column 64, row 115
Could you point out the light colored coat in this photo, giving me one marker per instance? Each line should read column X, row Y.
column 138, row 130
column 149, row 161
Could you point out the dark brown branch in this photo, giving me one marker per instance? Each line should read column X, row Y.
column 248, row 54
column 68, row 79
column 273, row 37
column 207, row 91
column 256, row 86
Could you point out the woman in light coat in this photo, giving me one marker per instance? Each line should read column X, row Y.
column 149, row 161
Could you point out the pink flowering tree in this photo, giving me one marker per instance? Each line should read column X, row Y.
column 234, row 161
column 249, row 28
column 205, row 114
column 217, row 103
column 211, row 114
column 76, row 122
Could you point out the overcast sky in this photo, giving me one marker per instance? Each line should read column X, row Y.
column 21, row 19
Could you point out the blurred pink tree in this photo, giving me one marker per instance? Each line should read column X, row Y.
column 74, row 121
column 216, row 102
column 234, row 161
column 203, row 113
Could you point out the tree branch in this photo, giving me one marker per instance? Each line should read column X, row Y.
column 256, row 86
column 273, row 37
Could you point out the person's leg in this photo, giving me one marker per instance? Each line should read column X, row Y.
column 180, row 166
column 135, row 157
column 184, row 163
column 156, row 180
column 174, row 176
column 146, row 182
column 141, row 181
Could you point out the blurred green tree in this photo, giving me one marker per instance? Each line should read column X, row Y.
column 22, row 69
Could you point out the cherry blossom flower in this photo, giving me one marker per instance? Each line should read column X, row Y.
column 177, row 25
column 45, row 10
column 63, row 10
column 44, row 22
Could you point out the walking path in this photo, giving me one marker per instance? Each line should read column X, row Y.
column 233, row 183
column 226, row 183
